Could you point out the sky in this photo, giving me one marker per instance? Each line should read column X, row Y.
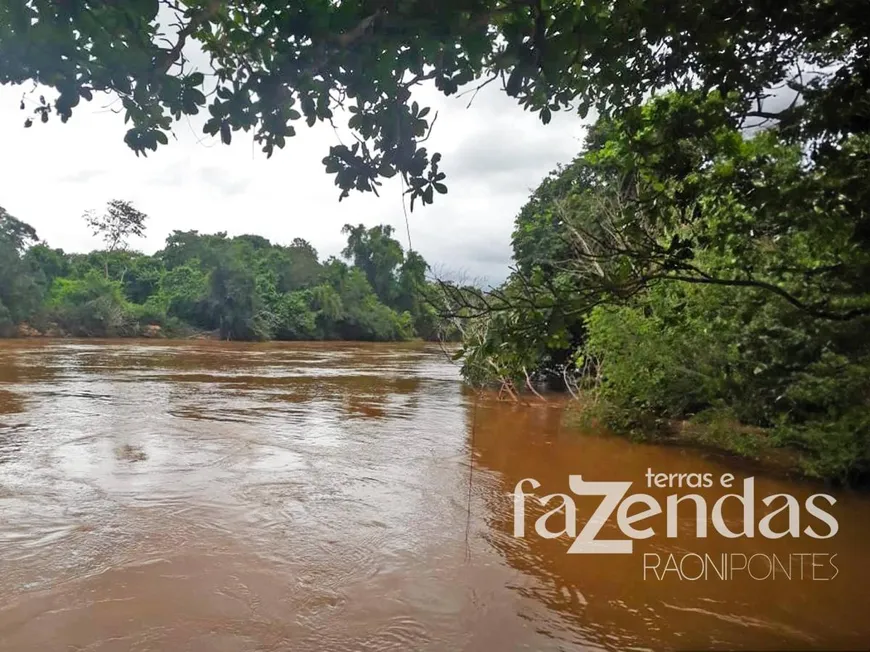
column 494, row 154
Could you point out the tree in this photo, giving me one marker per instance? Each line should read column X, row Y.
column 183, row 247
column 411, row 283
column 276, row 64
column 116, row 226
column 15, row 233
column 49, row 263
column 651, row 203
column 185, row 290
column 297, row 265
column 377, row 254
column 19, row 292
column 93, row 306
column 236, row 303
column 142, row 278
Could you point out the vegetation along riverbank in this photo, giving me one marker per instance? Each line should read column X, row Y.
column 685, row 270
column 239, row 288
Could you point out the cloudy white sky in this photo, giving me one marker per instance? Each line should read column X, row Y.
column 494, row 154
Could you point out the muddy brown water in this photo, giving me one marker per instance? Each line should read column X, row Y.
column 219, row 496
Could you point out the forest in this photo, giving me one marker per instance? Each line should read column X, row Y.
column 236, row 288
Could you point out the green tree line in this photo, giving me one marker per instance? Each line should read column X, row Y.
column 684, row 268
column 240, row 288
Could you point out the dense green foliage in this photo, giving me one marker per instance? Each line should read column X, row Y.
column 683, row 267
column 18, row 289
column 275, row 64
column 242, row 288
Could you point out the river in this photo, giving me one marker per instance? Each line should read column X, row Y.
column 341, row 496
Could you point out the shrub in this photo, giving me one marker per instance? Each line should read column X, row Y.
column 90, row 307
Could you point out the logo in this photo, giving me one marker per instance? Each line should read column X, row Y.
column 783, row 515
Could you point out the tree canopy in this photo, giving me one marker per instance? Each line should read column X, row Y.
column 239, row 288
column 276, row 64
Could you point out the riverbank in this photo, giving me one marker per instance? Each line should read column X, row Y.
column 150, row 331
column 155, row 331
column 715, row 433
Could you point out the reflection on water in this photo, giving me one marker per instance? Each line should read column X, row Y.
column 217, row 496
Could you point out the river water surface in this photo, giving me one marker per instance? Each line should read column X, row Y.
column 218, row 496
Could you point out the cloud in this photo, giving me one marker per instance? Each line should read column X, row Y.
column 82, row 176
column 173, row 174
column 222, row 180
column 501, row 158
